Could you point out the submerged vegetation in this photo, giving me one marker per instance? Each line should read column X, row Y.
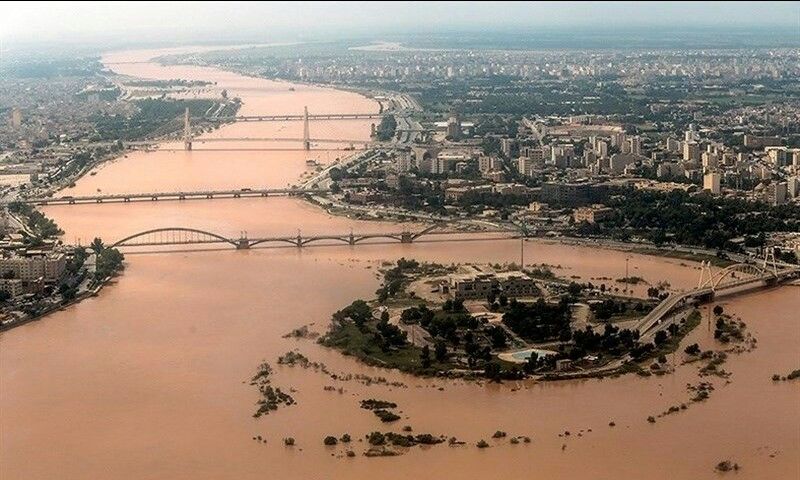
column 271, row 397
column 425, row 337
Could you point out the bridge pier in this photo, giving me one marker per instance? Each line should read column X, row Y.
column 706, row 297
column 242, row 244
column 406, row 237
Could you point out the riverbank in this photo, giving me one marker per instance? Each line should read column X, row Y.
column 124, row 378
column 92, row 292
column 435, row 333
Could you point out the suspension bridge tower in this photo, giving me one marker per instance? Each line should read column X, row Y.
column 187, row 131
column 306, row 134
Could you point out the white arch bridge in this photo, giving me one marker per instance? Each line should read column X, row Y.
column 168, row 236
column 732, row 279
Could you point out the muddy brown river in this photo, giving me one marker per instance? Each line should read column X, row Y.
column 150, row 378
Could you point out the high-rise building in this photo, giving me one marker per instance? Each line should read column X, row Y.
column 454, row 127
column 777, row 193
column 602, row 149
column 691, row 134
column 489, row 164
column 507, row 146
column 710, row 161
column 403, row 162
column 793, row 186
column 635, row 145
column 618, row 140
column 673, row 145
column 16, row 118
column 777, row 156
column 691, row 151
column 711, row 182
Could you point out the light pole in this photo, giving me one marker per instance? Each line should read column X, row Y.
column 627, row 279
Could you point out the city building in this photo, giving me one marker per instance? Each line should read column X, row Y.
column 507, row 146
column 711, row 182
column 454, row 127
column 573, row 194
column 592, row 214
column 510, row 284
column 691, row 151
column 28, row 273
column 16, row 118
column 753, row 141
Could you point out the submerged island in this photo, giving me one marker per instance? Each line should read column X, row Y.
column 504, row 322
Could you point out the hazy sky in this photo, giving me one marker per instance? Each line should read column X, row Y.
column 149, row 21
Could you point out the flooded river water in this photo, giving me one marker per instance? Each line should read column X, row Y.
column 150, row 378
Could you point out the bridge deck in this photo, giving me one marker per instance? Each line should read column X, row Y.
column 187, row 236
column 155, row 196
column 670, row 303
column 296, row 117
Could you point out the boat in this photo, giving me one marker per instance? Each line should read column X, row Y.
column 311, row 162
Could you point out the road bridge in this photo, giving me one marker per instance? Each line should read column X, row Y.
column 736, row 278
column 166, row 196
column 295, row 117
column 169, row 236
column 278, row 139
column 305, row 117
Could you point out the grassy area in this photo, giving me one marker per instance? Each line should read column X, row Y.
column 694, row 257
column 350, row 340
column 628, row 316
column 674, row 341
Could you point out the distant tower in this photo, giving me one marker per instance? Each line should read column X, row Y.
column 187, row 131
column 454, row 126
column 306, row 135
column 16, row 118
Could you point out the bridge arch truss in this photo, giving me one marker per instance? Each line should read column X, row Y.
column 728, row 276
column 172, row 236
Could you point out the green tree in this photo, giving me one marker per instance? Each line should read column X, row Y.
column 425, row 356
column 440, row 351
column 97, row 245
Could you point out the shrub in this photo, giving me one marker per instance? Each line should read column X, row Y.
column 693, row 349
